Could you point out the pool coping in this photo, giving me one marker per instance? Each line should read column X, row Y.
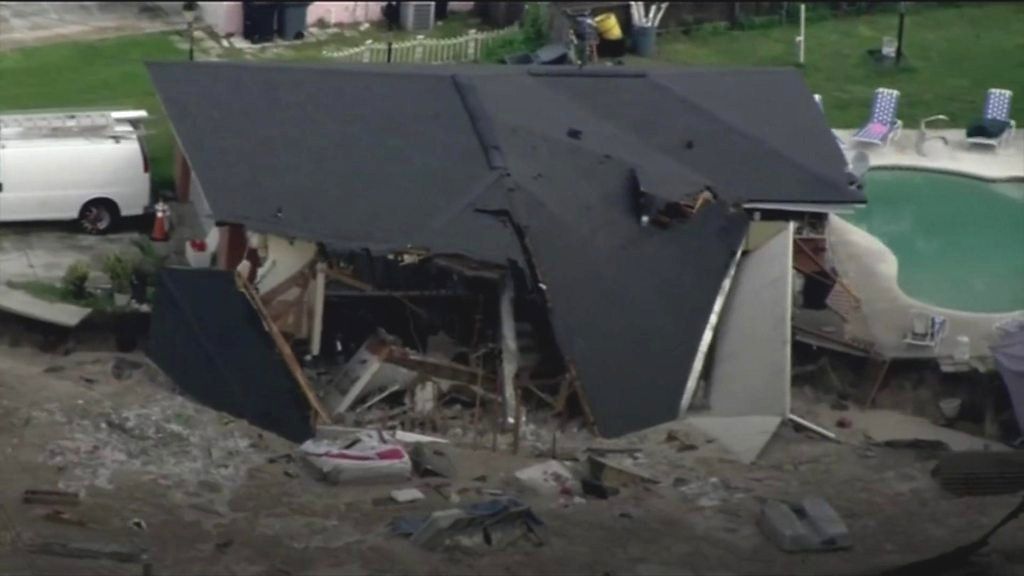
column 949, row 171
column 872, row 269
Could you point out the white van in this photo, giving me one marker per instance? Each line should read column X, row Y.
column 90, row 166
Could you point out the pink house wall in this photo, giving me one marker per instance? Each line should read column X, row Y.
column 226, row 17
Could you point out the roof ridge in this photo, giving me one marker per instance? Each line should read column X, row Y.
column 747, row 134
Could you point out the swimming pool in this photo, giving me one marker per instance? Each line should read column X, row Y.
column 959, row 241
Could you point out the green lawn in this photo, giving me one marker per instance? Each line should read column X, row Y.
column 953, row 54
column 107, row 73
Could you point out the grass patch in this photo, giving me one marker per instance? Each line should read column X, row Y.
column 953, row 55
column 94, row 73
column 55, row 293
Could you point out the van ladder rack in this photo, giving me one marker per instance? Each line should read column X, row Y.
column 72, row 122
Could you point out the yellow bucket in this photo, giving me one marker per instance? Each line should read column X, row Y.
column 608, row 26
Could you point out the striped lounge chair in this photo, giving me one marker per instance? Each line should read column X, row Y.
column 997, row 107
column 883, row 127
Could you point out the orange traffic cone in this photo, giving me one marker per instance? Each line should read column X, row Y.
column 160, row 231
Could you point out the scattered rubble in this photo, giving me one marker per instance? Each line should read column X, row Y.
column 88, row 550
column 365, row 457
column 432, row 459
column 496, row 523
column 810, row 526
column 50, row 497
column 407, row 495
column 549, row 478
column 617, row 475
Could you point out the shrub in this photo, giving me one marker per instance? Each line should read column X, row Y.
column 532, row 34
column 119, row 269
column 74, row 280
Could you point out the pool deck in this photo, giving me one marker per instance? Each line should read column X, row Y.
column 870, row 268
column 958, row 157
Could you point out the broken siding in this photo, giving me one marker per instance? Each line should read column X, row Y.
column 202, row 207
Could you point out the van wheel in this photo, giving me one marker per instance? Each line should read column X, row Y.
column 98, row 216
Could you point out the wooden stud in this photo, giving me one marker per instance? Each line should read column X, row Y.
column 282, row 347
column 878, row 383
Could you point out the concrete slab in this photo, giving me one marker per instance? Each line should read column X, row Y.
column 744, row 437
column 37, row 23
column 882, row 425
column 43, row 252
column 25, row 305
column 750, row 371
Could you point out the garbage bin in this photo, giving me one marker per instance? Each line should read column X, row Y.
column 291, row 20
column 258, row 21
column 440, row 11
column 502, row 14
column 644, row 38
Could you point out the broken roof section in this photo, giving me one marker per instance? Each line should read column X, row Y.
column 526, row 165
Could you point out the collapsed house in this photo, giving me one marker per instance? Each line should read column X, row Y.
column 557, row 233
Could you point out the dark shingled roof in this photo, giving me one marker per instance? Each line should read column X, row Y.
column 386, row 158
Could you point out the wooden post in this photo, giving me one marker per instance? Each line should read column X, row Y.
column 231, row 247
column 899, row 34
column 182, row 176
column 878, row 382
column 517, row 424
column 318, row 309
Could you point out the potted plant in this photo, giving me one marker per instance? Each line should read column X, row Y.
column 142, row 274
column 119, row 270
column 144, row 269
column 75, row 278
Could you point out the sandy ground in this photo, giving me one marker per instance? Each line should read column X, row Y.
column 213, row 504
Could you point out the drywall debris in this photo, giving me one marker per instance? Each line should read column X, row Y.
column 810, row 526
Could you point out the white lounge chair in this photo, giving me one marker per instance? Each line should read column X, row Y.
column 883, row 127
column 997, row 107
column 925, row 329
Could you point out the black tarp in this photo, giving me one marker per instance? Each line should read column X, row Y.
column 529, row 164
column 208, row 338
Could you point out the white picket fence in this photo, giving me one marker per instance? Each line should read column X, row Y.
column 466, row 48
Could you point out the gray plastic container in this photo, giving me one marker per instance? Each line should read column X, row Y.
column 645, row 41
column 291, row 20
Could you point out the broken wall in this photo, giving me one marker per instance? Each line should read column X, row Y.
column 284, row 257
column 208, row 338
column 750, row 368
